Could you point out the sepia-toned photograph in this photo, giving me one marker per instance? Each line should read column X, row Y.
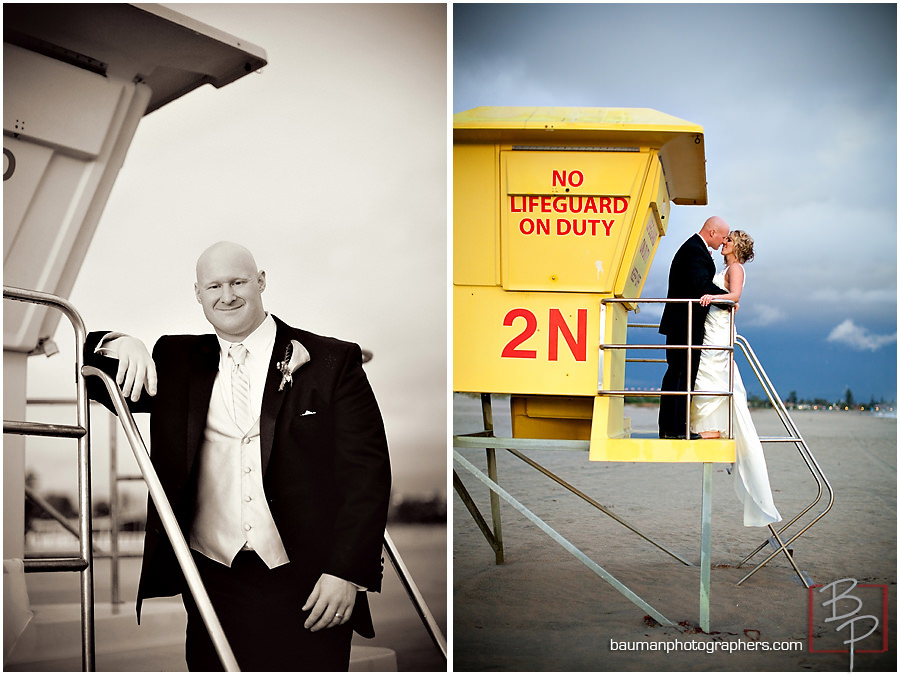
column 225, row 337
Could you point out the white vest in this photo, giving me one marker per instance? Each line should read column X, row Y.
column 231, row 511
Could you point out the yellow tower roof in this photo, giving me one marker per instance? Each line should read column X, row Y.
column 680, row 143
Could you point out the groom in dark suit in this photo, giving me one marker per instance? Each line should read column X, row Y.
column 690, row 276
column 271, row 449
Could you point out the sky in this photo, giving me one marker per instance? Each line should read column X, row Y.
column 330, row 164
column 799, row 109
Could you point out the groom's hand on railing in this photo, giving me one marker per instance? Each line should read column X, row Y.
column 136, row 367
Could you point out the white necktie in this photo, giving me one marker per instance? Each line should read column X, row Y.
column 240, row 387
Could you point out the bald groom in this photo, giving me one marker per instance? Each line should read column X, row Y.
column 690, row 276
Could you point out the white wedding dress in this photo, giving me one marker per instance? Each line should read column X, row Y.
column 710, row 413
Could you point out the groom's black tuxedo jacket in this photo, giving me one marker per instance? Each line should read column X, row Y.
column 326, row 470
column 690, row 276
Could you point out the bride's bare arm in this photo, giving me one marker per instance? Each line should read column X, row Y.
column 734, row 279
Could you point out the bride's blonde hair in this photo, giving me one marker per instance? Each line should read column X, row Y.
column 743, row 245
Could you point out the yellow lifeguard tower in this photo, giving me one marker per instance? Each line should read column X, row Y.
column 557, row 214
column 556, row 210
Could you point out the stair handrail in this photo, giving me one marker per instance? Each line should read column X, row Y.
column 415, row 595
column 84, row 563
column 805, row 452
column 169, row 521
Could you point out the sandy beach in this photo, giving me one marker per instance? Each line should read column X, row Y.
column 543, row 610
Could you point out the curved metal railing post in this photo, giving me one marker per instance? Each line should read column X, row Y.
column 805, row 452
column 418, row 601
column 170, row 523
column 81, row 430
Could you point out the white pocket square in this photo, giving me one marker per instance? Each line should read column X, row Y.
column 308, row 412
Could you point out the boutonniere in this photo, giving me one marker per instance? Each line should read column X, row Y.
column 295, row 355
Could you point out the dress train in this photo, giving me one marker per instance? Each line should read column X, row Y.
column 710, row 413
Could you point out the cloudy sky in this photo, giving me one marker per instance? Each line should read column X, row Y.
column 331, row 166
column 798, row 106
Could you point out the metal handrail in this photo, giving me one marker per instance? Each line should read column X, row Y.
column 44, row 429
column 412, row 590
column 169, row 521
column 84, row 562
column 805, row 453
column 689, row 348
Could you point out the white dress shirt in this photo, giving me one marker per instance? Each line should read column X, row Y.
column 259, row 352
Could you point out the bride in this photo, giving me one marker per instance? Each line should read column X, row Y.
column 709, row 414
